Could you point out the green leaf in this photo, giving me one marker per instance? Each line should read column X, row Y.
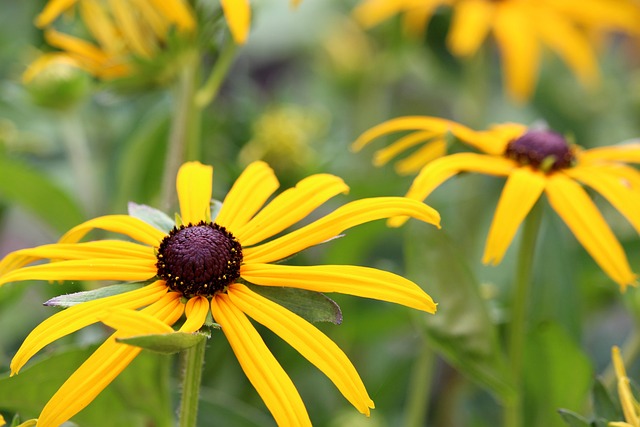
column 138, row 397
column 557, row 374
column 38, row 193
column 152, row 216
column 572, row 419
column 603, row 405
column 170, row 343
column 462, row 330
column 79, row 297
column 312, row 306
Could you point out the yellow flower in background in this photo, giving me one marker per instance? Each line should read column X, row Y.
column 630, row 406
column 520, row 28
column 200, row 267
column 122, row 30
column 238, row 16
column 534, row 162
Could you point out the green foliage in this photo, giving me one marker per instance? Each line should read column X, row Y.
column 165, row 343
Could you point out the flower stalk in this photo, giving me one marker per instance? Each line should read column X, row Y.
column 193, row 359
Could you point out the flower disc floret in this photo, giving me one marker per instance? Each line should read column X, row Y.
column 201, row 259
column 544, row 149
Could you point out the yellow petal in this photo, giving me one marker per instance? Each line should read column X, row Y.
column 133, row 322
column 522, row 190
column 196, row 311
column 316, row 347
column 414, row 162
column 154, row 18
column 101, row 25
column 628, row 402
column 438, row 171
column 577, row 210
column 383, row 156
column 250, row 191
column 238, row 16
column 262, row 369
column 629, row 153
column 52, row 10
column 469, row 27
column 417, row 16
column 612, row 188
column 44, row 61
column 79, row 316
column 629, row 175
column 176, row 11
column 78, row 48
column 70, row 251
column 133, row 29
column 343, row 218
column 519, row 47
column 123, row 224
column 289, row 207
column 98, row 371
column 345, row 279
column 618, row 363
column 372, row 12
column 194, row 184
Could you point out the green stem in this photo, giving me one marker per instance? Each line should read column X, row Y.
column 193, row 359
column 420, row 385
column 516, row 335
column 210, row 89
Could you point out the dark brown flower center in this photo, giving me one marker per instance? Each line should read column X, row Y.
column 542, row 149
column 201, row 259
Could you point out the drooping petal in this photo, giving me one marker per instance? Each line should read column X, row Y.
column 522, row 190
column 71, row 251
column 262, row 369
column 154, row 18
column 612, row 188
column 78, row 48
column 247, row 195
column 79, row 316
column 238, row 16
column 628, row 153
column 134, row 31
column 316, row 347
column 629, row 175
column 102, row 367
column 438, row 171
column 44, row 61
column 345, row 279
column 52, row 10
column 123, row 224
column 382, row 156
column 194, row 185
column 289, row 207
column 196, row 311
column 415, row 161
column 519, row 47
column 176, row 11
column 582, row 217
column 331, row 225
column 101, row 25
column 470, row 26
column 133, row 322
column 86, row 269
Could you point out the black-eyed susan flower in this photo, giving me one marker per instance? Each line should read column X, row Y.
column 201, row 266
column 123, row 33
column 238, row 16
column 520, row 29
column 630, row 406
column 534, row 162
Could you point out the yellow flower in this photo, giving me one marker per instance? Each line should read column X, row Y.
column 533, row 161
column 238, row 16
column 200, row 267
column 520, row 28
column 123, row 30
column 630, row 406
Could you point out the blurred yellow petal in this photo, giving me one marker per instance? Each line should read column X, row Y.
column 194, row 183
column 176, row 11
column 343, row 218
column 345, row 279
column 238, row 16
column 52, row 10
column 580, row 214
column 46, row 60
column 383, row 155
column 196, row 311
column 153, row 17
column 522, row 190
column 132, row 29
column 316, row 347
column 629, row 175
column 91, row 269
column 100, row 24
column 628, row 153
column 76, row 47
column 79, row 316
column 416, row 161
column 262, row 369
column 123, row 224
column 519, row 47
column 289, row 207
column 470, row 25
column 372, row 12
column 247, row 195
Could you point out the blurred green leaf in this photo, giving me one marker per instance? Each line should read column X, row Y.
column 36, row 192
column 170, row 343
column 152, row 216
column 79, row 297
column 461, row 330
column 604, row 406
column 557, row 373
column 312, row 306
column 138, row 397
column 572, row 419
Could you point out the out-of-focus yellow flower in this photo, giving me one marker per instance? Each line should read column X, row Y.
column 238, row 16
column 122, row 30
column 520, row 28
column 630, row 406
